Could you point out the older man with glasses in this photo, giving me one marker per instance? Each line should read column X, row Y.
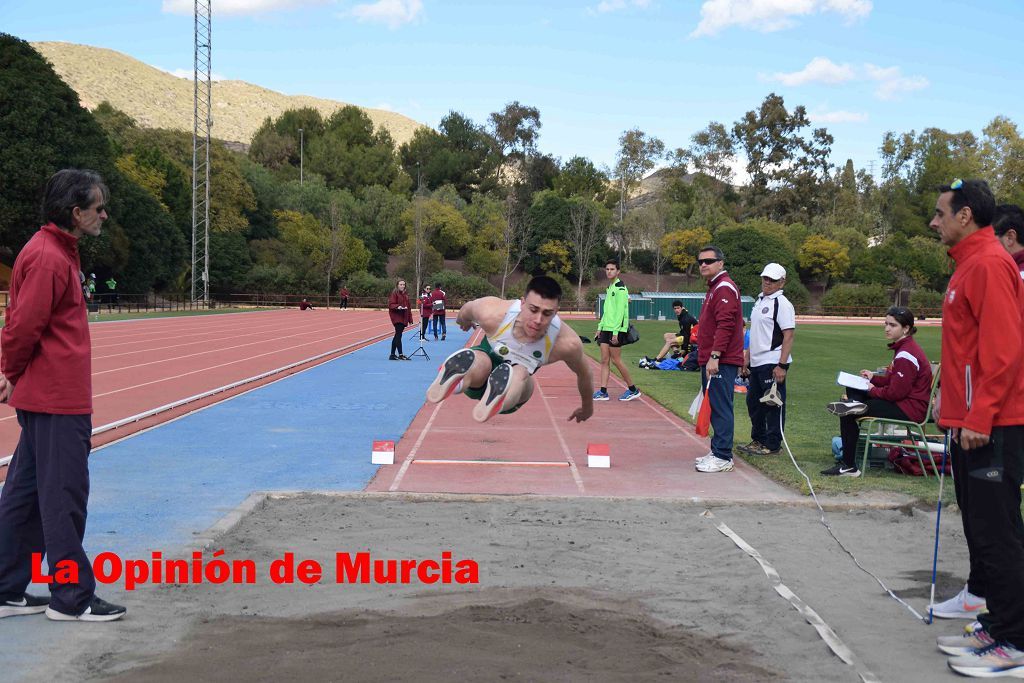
column 772, row 323
column 719, row 355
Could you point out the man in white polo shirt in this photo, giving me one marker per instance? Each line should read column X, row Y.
column 772, row 322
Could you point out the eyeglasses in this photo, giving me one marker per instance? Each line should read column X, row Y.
column 708, row 261
column 957, row 184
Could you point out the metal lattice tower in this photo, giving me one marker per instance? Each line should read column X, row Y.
column 201, row 122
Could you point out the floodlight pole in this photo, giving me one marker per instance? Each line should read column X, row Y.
column 201, row 123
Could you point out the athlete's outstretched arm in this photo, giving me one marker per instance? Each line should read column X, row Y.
column 576, row 361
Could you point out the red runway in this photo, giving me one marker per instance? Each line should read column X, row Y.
column 141, row 365
column 537, row 451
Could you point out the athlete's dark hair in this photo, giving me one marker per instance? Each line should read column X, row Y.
column 904, row 316
column 678, row 303
column 718, row 252
column 1009, row 217
column 611, row 260
column 545, row 286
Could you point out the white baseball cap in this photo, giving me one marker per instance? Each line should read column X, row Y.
column 774, row 271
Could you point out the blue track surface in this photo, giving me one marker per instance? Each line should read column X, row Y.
column 313, row 430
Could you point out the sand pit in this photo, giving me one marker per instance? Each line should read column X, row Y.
column 538, row 639
column 570, row 589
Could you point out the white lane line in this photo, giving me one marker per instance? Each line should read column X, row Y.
column 416, row 446
column 517, row 463
column 558, row 432
column 825, row 631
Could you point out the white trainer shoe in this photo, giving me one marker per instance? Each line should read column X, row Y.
column 963, row 605
column 715, row 464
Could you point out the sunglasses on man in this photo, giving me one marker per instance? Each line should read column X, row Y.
column 708, row 261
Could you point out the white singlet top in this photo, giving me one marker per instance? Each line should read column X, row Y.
column 530, row 355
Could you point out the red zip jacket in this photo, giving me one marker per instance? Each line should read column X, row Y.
column 426, row 304
column 982, row 335
column 45, row 342
column 908, row 380
column 720, row 326
column 394, row 301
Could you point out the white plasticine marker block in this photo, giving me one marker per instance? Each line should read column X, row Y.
column 598, row 455
column 383, row 453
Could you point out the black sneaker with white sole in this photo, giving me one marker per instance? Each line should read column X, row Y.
column 26, row 604
column 841, row 470
column 844, row 408
column 98, row 610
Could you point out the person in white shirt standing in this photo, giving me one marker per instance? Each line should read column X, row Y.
column 772, row 323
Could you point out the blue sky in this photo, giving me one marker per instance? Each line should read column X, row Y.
column 594, row 68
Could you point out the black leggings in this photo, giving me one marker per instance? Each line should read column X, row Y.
column 850, row 430
column 396, row 341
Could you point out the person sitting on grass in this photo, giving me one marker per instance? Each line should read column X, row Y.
column 680, row 341
column 901, row 393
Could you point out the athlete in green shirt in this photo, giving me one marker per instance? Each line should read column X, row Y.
column 611, row 333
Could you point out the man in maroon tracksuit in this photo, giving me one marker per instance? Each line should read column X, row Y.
column 47, row 376
column 719, row 355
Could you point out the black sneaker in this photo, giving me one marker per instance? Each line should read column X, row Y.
column 98, row 610
column 443, row 337
column 844, row 408
column 402, row 356
column 27, row 604
column 841, row 470
column 392, row 357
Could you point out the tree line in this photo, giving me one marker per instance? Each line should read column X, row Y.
column 302, row 212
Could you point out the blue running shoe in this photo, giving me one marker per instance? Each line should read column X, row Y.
column 630, row 394
column 600, row 395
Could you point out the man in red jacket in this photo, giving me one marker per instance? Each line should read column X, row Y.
column 47, row 377
column 719, row 355
column 983, row 406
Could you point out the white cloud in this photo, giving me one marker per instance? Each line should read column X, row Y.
column 394, row 13
column 187, row 74
column 606, row 6
column 771, row 15
column 890, row 79
column 839, row 116
column 892, row 83
column 818, row 70
column 238, row 7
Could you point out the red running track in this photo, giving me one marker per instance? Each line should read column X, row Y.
column 141, row 365
column 537, row 451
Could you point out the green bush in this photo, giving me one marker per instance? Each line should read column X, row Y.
column 797, row 294
column 464, row 287
column 364, row 284
column 568, row 288
column 857, row 300
column 925, row 300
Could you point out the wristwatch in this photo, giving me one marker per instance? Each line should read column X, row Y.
column 784, row 366
column 716, row 356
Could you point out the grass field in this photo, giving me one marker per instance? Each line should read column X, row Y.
column 819, row 352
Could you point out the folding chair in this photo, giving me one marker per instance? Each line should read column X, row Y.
column 874, row 430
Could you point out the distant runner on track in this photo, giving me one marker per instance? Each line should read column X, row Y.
column 521, row 336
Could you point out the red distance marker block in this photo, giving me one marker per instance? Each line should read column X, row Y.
column 598, row 455
column 383, row 453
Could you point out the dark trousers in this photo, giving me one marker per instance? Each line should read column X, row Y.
column 344, row 302
column 43, row 507
column 396, row 341
column 766, row 422
column 439, row 321
column 849, row 430
column 423, row 326
column 720, row 393
column 988, row 481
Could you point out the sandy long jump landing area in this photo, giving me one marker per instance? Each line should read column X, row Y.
column 581, row 589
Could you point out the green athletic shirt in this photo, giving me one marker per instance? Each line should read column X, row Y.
column 616, row 309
